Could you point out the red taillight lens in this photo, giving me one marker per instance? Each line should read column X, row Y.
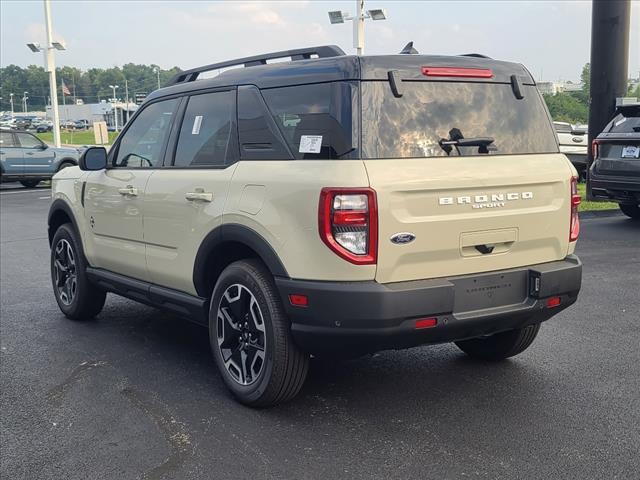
column 553, row 302
column 426, row 323
column 574, row 231
column 595, row 151
column 457, row 72
column 348, row 223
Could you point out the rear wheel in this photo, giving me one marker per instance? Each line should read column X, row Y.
column 632, row 211
column 29, row 183
column 77, row 298
column 251, row 339
column 501, row 345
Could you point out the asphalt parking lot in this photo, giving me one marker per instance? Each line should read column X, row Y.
column 135, row 394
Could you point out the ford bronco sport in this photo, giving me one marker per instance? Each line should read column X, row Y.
column 330, row 205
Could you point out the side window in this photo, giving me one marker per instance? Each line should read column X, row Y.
column 6, row 140
column 28, row 141
column 143, row 143
column 316, row 120
column 208, row 133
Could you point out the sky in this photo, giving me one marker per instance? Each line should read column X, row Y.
column 552, row 38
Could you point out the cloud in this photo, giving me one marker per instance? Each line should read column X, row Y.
column 36, row 32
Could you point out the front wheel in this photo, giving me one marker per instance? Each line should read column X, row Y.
column 77, row 298
column 632, row 211
column 29, row 183
column 251, row 339
column 501, row 345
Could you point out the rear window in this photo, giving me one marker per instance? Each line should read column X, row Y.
column 412, row 125
column 316, row 120
column 626, row 122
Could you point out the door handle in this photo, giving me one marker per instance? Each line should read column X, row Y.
column 128, row 191
column 199, row 196
column 29, row 153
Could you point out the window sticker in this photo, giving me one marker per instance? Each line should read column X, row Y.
column 197, row 123
column 310, row 143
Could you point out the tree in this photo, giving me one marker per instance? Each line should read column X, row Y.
column 585, row 78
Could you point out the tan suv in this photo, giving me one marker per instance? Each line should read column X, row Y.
column 332, row 206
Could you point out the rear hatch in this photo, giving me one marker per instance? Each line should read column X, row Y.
column 618, row 146
column 449, row 209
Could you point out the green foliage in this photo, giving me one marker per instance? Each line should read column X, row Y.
column 91, row 85
column 585, row 78
column 569, row 107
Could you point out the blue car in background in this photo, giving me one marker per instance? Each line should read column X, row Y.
column 26, row 159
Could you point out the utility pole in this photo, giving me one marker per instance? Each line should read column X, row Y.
column 609, row 63
column 51, row 68
column 11, row 101
column 115, row 106
column 126, row 97
column 158, row 74
column 24, row 102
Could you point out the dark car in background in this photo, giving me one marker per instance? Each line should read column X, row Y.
column 615, row 172
column 26, row 159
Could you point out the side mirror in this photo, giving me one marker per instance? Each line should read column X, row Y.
column 93, row 158
column 43, row 146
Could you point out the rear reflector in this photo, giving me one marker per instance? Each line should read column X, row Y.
column 553, row 302
column 299, row 300
column 426, row 323
column 574, row 222
column 457, row 72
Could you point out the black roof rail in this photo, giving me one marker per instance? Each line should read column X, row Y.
column 476, row 55
column 322, row 51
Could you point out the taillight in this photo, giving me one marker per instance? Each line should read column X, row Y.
column 574, row 231
column 595, row 151
column 457, row 72
column 348, row 223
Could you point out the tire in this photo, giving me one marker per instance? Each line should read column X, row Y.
column 274, row 368
column 29, row 183
column 65, row 164
column 501, row 345
column 77, row 297
column 632, row 211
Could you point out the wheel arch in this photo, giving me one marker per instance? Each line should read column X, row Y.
column 70, row 160
column 227, row 244
column 59, row 214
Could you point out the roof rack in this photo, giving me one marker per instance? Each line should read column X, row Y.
column 476, row 55
column 322, row 51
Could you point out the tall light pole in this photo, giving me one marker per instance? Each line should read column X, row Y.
column 51, row 68
column 338, row 16
column 115, row 106
column 11, row 101
column 158, row 74
column 126, row 98
column 24, row 102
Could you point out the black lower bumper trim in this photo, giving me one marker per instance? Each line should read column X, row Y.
column 368, row 316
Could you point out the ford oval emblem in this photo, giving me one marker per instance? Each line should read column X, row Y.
column 402, row 238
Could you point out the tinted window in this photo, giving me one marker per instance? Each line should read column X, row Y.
column 6, row 140
column 144, row 141
column 316, row 120
column 208, row 132
column 260, row 138
column 626, row 122
column 28, row 141
column 411, row 126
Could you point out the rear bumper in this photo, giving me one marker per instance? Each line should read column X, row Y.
column 619, row 189
column 365, row 317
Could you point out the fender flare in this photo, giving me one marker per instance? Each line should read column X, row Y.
column 57, row 206
column 234, row 233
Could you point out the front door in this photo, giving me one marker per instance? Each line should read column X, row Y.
column 10, row 155
column 114, row 197
column 38, row 158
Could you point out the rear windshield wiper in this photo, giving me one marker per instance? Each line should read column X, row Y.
column 481, row 142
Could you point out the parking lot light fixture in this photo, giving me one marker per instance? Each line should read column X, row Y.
column 337, row 16
column 115, row 106
column 34, row 47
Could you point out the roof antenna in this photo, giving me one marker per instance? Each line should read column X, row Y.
column 409, row 50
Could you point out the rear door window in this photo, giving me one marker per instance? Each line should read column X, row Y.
column 208, row 136
column 6, row 140
column 412, row 125
column 316, row 120
column 28, row 141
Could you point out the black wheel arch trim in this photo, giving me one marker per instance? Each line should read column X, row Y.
column 57, row 206
column 234, row 233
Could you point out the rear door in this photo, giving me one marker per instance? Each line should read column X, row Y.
column 467, row 211
column 185, row 200
column 10, row 154
column 114, row 197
